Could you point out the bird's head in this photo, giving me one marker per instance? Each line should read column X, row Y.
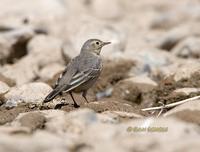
column 93, row 46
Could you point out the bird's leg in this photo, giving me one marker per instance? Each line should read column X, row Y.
column 75, row 104
column 84, row 93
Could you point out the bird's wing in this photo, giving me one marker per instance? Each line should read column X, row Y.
column 62, row 81
column 73, row 76
column 66, row 75
column 81, row 77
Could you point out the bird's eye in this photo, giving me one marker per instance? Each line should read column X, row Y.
column 97, row 43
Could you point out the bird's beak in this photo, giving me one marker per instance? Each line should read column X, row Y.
column 106, row 43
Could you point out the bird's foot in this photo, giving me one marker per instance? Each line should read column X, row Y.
column 76, row 105
column 86, row 100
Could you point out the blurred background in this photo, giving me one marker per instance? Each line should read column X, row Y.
column 149, row 38
column 140, row 30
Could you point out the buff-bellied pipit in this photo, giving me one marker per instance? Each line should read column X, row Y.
column 82, row 71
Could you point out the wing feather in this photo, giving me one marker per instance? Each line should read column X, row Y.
column 81, row 77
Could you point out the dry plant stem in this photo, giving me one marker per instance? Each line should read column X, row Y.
column 171, row 104
column 163, row 107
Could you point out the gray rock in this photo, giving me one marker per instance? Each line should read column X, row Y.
column 168, row 41
column 40, row 141
column 144, row 83
column 78, row 121
column 175, row 35
column 75, row 122
column 186, row 69
column 189, row 47
column 49, row 71
column 4, row 88
column 7, row 80
column 182, row 69
column 45, row 50
column 21, row 72
column 55, row 121
column 40, row 54
column 188, row 112
column 130, row 89
column 30, row 120
column 185, row 91
column 28, row 93
column 148, row 60
column 5, row 49
column 13, row 44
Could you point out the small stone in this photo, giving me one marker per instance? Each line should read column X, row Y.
column 4, row 88
column 31, row 120
column 143, row 83
column 130, row 89
column 185, row 91
column 14, row 130
column 9, row 81
column 105, row 93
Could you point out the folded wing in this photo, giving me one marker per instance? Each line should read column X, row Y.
column 75, row 80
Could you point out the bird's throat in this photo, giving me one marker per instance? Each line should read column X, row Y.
column 97, row 52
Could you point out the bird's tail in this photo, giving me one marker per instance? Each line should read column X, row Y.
column 52, row 95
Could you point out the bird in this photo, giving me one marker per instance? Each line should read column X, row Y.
column 81, row 73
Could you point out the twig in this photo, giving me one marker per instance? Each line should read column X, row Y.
column 171, row 104
column 161, row 110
